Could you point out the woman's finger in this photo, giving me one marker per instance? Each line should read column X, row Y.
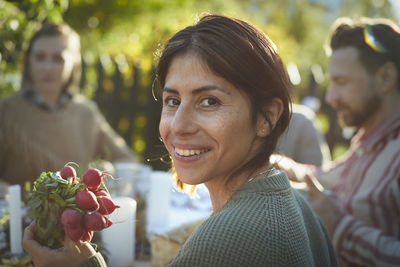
column 28, row 239
column 29, row 231
column 31, row 246
column 81, row 249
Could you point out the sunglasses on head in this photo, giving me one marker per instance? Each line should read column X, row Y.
column 372, row 41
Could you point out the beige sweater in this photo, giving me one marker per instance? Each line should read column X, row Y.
column 33, row 140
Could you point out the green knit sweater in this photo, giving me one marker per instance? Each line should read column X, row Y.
column 265, row 223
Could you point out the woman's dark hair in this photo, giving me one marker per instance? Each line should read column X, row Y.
column 377, row 41
column 243, row 56
column 49, row 30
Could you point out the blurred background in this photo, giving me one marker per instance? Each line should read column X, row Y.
column 121, row 39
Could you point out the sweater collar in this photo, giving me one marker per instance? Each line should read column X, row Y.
column 276, row 181
column 38, row 101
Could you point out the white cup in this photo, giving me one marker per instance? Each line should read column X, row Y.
column 126, row 174
column 158, row 201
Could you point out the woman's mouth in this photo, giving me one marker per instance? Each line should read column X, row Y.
column 188, row 152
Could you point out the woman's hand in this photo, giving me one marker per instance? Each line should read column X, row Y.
column 70, row 255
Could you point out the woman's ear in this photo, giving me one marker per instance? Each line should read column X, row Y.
column 271, row 114
column 387, row 78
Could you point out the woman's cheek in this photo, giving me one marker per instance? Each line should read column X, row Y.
column 163, row 128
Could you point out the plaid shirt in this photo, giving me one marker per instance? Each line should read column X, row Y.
column 366, row 182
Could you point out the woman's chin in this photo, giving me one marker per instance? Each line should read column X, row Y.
column 48, row 88
column 189, row 179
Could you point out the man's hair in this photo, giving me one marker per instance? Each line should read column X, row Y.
column 377, row 40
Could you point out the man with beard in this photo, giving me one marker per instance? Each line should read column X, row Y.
column 358, row 196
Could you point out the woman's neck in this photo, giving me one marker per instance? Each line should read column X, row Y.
column 221, row 190
column 50, row 99
column 219, row 196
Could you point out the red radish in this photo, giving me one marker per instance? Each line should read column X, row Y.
column 71, row 217
column 94, row 221
column 92, row 179
column 106, row 204
column 101, row 193
column 68, row 171
column 108, row 222
column 75, row 232
column 87, row 236
column 86, row 200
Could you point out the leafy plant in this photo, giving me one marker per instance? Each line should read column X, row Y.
column 51, row 195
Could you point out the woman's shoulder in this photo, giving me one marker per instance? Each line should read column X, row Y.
column 247, row 218
column 12, row 104
column 81, row 104
column 11, row 99
column 223, row 240
column 275, row 213
column 238, row 235
column 79, row 100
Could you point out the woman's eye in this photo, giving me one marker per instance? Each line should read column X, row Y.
column 171, row 102
column 58, row 58
column 209, row 102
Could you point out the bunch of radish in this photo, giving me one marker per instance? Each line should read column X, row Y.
column 63, row 204
column 94, row 202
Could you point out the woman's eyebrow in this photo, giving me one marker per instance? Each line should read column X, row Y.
column 199, row 90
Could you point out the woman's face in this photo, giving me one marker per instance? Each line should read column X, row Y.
column 51, row 64
column 205, row 122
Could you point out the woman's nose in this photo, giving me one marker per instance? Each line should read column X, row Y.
column 47, row 65
column 184, row 121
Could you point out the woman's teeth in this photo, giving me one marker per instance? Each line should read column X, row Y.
column 188, row 152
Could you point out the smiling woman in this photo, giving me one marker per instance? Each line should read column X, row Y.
column 225, row 104
column 256, row 96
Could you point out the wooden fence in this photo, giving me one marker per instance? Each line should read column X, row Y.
column 128, row 104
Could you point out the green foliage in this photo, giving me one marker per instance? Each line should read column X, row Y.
column 18, row 21
column 134, row 28
column 322, row 123
column 339, row 150
column 50, row 196
column 366, row 8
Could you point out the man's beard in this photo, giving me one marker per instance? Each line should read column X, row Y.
column 357, row 118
